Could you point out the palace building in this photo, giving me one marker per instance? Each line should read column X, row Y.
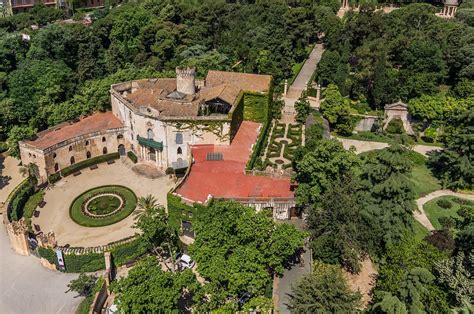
column 157, row 119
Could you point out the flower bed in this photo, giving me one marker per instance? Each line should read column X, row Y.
column 85, row 216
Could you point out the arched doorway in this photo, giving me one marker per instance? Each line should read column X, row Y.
column 121, row 150
column 88, row 155
column 73, row 160
column 149, row 133
column 152, row 154
column 104, row 150
column 56, row 167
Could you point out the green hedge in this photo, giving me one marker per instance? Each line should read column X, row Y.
column 76, row 263
column 31, row 205
column 127, row 252
column 18, row 200
column 258, row 146
column 237, row 116
column 3, row 147
column 132, row 157
column 81, row 165
column 129, row 197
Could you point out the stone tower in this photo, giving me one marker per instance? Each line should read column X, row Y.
column 185, row 80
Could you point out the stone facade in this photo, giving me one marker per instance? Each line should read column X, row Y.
column 398, row 110
column 17, row 233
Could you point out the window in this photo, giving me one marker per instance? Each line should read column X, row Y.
column 88, row 155
column 34, row 156
column 179, row 138
column 29, row 154
column 104, row 150
column 180, row 151
column 149, row 133
column 131, row 136
column 70, row 148
column 120, row 136
column 54, row 155
column 87, row 143
column 73, row 161
column 56, row 167
column 103, row 139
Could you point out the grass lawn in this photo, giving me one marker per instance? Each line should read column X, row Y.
column 423, row 180
column 434, row 211
column 420, row 232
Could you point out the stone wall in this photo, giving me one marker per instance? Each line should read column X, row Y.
column 17, row 233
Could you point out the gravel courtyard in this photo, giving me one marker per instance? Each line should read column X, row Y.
column 54, row 216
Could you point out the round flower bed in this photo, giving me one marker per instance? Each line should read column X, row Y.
column 103, row 206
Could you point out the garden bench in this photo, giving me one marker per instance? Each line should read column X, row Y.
column 93, row 167
column 41, row 204
column 76, row 173
column 37, row 228
column 36, row 213
column 109, row 162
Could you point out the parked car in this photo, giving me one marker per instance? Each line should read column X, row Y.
column 184, row 261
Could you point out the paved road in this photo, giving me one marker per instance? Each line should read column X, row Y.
column 28, row 287
column 420, row 214
column 291, row 276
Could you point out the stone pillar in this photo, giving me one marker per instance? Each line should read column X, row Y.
column 285, row 89
column 318, row 93
column 108, row 269
column 17, row 233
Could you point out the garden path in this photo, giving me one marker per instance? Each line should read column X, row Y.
column 10, row 176
column 365, row 146
column 281, row 161
column 420, row 214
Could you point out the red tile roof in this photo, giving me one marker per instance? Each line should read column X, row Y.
column 100, row 121
column 226, row 178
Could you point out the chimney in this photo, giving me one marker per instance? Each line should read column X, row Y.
column 185, row 80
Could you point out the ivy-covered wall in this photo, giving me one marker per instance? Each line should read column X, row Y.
column 256, row 107
column 179, row 211
column 237, row 116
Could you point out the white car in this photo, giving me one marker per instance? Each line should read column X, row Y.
column 185, row 261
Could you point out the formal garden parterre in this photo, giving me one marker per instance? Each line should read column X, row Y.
column 103, row 206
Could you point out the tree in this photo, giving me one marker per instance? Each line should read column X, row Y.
column 336, row 109
column 152, row 221
column 456, row 278
column 435, row 108
column 454, row 166
column 149, row 289
column 302, row 107
column 337, row 226
column 238, row 250
column 16, row 134
column 323, row 291
column 84, row 285
column 319, row 168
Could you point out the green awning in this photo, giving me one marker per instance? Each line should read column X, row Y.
column 149, row 142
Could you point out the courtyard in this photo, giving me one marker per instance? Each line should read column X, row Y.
column 54, row 216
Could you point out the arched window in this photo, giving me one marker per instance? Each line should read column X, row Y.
column 149, row 133
column 56, row 167
column 179, row 138
column 104, row 150
column 131, row 136
column 73, row 161
column 70, row 148
column 180, row 151
column 54, row 155
column 34, row 156
column 29, row 154
column 103, row 139
column 88, row 155
column 120, row 136
column 87, row 143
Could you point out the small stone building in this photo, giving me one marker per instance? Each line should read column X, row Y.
column 398, row 110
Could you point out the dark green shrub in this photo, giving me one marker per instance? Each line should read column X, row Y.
column 89, row 262
column 3, row 147
column 55, row 177
column 19, row 199
column 169, row 171
column 132, row 157
column 444, row 203
column 88, row 162
column 447, row 222
column 127, row 252
column 395, row 126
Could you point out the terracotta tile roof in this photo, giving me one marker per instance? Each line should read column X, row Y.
column 100, row 121
column 227, row 93
column 245, row 81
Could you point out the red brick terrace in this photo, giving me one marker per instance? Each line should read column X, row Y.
column 226, row 178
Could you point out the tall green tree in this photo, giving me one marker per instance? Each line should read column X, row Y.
column 323, row 291
column 16, row 134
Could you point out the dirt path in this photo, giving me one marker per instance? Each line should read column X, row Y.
column 363, row 281
column 420, row 214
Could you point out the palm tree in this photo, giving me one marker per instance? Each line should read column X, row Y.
column 152, row 221
column 30, row 171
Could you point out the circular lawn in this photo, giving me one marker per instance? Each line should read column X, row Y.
column 103, row 206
